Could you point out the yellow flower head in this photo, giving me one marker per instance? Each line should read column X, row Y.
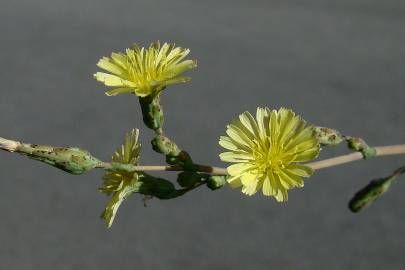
column 144, row 71
column 266, row 152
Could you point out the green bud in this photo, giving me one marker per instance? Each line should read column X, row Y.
column 164, row 145
column 179, row 161
column 188, row 179
column 70, row 159
column 370, row 193
column 152, row 112
column 158, row 187
column 369, row 152
column 184, row 160
column 174, row 156
column 360, row 145
column 172, row 160
column 216, row 181
column 328, row 136
column 356, row 144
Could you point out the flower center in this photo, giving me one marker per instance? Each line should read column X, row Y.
column 268, row 157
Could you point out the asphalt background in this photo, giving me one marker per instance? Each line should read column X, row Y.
column 339, row 63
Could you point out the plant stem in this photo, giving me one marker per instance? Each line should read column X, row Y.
column 317, row 165
column 380, row 151
column 11, row 146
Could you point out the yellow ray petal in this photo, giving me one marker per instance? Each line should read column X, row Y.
column 249, row 123
column 267, row 188
column 108, row 79
column 240, row 168
column 235, row 182
column 294, row 180
column 118, row 91
column 105, row 64
column 235, row 157
column 300, row 170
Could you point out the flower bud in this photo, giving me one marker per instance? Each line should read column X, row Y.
column 216, row 181
column 360, row 145
column 72, row 160
column 188, row 179
column 328, row 136
column 370, row 193
column 164, row 145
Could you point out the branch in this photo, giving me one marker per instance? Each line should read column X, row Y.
column 8, row 145
column 13, row 146
column 339, row 160
column 157, row 168
column 317, row 165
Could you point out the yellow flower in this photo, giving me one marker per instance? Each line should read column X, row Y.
column 121, row 184
column 144, row 71
column 266, row 152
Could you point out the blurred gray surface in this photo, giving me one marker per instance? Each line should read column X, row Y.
column 338, row 63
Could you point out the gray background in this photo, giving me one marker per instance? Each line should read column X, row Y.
column 338, row 63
